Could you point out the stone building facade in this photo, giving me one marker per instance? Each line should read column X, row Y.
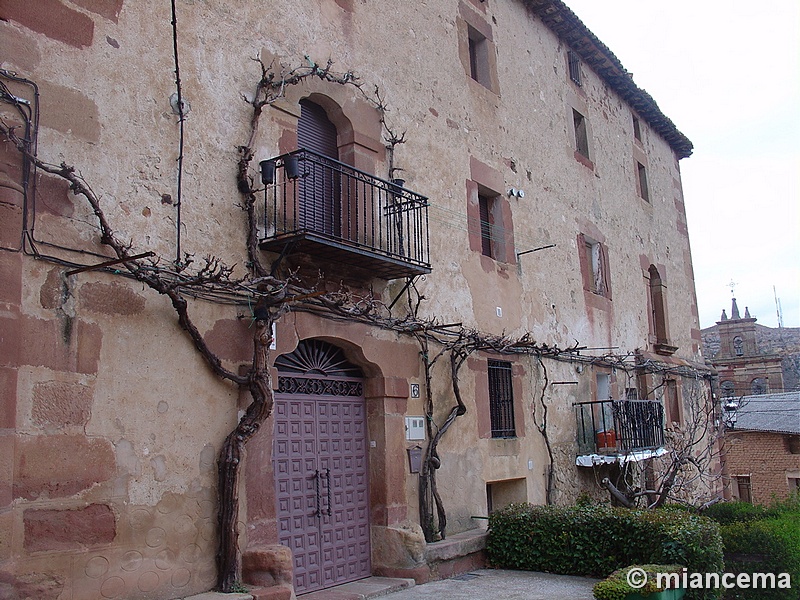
column 540, row 201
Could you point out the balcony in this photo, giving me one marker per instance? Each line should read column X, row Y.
column 620, row 431
column 335, row 213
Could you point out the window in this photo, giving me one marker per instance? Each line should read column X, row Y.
column 672, row 401
column 727, row 388
column 501, row 399
column 743, row 488
column 479, row 57
column 485, row 208
column 637, row 129
column 738, row 346
column 641, row 182
column 490, row 225
column 658, row 313
column 794, row 484
column 758, row 386
column 603, row 381
column 574, row 67
column 581, row 134
column 792, row 444
column 595, row 267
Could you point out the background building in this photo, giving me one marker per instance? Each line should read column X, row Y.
column 751, row 358
column 762, row 448
column 496, row 190
column 757, row 368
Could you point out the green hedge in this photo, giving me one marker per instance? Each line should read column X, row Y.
column 726, row 513
column 764, row 546
column 598, row 539
column 761, row 539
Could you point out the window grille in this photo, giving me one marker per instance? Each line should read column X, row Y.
column 574, row 67
column 501, row 399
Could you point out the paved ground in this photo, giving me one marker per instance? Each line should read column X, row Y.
column 483, row 584
column 497, row 584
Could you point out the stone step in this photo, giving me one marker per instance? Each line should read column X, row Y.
column 371, row 587
column 218, row 596
column 363, row 589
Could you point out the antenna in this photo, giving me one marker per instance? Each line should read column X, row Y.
column 778, row 308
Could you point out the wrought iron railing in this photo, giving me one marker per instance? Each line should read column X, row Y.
column 619, row 426
column 307, row 193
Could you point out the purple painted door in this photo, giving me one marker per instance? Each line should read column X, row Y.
column 320, row 465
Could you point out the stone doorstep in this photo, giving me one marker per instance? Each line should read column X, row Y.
column 219, row 596
column 363, row 589
column 371, row 587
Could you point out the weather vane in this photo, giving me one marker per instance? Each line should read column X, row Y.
column 733, row 285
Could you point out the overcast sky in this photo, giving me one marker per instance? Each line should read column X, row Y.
column 728, row 75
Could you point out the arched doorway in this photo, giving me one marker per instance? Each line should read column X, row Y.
column 320, row 464
column 319, row 188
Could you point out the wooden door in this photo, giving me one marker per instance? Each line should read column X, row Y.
column 320, row 465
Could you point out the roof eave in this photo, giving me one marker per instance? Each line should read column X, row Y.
column 560, row 19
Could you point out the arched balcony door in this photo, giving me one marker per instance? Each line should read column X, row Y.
column 319, row 190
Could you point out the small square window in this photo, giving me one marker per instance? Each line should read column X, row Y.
column 574, row 67
column 641, row 181
column 581, row 133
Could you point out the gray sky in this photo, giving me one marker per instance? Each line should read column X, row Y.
column 728, row 75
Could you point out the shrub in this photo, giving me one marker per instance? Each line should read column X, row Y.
column 596, row 540
column 726, row 513
column 763, row 546
column 616, row 587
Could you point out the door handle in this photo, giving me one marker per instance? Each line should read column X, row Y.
column 319, row 496
column 328, row 477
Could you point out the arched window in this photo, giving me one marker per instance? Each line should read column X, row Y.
column 758, row 386
column 738, row 346
column 728, row 389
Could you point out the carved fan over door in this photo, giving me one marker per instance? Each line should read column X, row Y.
column 320, row 465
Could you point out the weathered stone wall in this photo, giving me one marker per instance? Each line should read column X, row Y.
column 112, row 419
